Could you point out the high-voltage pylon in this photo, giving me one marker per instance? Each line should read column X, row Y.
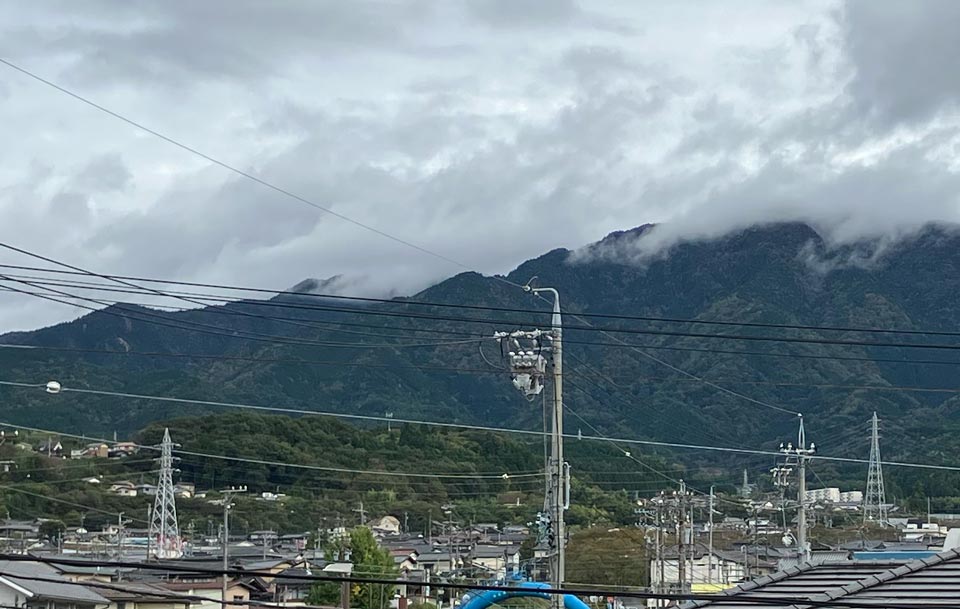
column 164, row 530
column 874, row 502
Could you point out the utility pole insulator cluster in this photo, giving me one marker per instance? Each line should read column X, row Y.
column 799, row 455
column 528, row 367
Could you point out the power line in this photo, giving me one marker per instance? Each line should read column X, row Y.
column 63, row 501
column 588, row 327
column 457, row 369
column 676, row 445
column 619, row 344
column 410, row 301
column 231, row 168
column 221, row 331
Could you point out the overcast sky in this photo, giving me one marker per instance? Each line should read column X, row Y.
column 486, row 130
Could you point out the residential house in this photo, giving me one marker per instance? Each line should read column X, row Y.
column 437, row 562
column 51, row 448
column 96, row 450
column 292, row 587
column 141, row 595
column 147, row 489
column 123, row 488
column 496, row 560
column 238, row 591
column 405, row 559
column 19, row 587
column 184, row 490
column 706, row 571
column 123, row 449
column 387, row 525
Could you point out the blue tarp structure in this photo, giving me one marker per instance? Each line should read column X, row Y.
column 486, row 598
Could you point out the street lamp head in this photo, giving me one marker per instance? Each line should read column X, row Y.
column 53, row 387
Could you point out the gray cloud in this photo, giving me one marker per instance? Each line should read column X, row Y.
column 903, row 57
column 489, row 132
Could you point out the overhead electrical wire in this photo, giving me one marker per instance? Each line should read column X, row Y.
column 232, row 168
column 411, row 301
column 441, row 424
column 587, row 327
column 626, row 345
column 191, row 326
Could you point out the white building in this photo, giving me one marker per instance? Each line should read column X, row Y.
column 830, row 494
column 851, row 497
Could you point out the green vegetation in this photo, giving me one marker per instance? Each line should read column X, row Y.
column 369, row 562
column 328, row 483
column 614, row 557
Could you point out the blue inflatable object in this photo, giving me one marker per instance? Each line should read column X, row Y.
column 482, row 600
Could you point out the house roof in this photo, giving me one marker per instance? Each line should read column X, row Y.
column 930, row 582
column 141, row 592
column 21, row 573
column 212, row 584
column 493, row 551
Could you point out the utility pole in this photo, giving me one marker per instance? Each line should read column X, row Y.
column 363, row 514
column 660, row 588
column 120, row 535
column 710, row 540
column 800, row 454
column 227, row 501
column 149, row 519
column 528, row 369
column 875, row 502
column 681, row 535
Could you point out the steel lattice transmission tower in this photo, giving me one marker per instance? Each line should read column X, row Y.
column 875, row 502
column 164, row 530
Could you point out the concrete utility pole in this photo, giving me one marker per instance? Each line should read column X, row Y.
column 710, row 540
column 227, row 504
column 363, row 514
column 681, row 536
column 120, row 536
column 556, row 448
column 659, row 567
column 528, row 369
column 801, row 453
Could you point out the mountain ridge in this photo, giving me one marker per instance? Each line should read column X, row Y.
column 757, row 274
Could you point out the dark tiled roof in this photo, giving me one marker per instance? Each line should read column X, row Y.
column 58, row 588
column 926, row 583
